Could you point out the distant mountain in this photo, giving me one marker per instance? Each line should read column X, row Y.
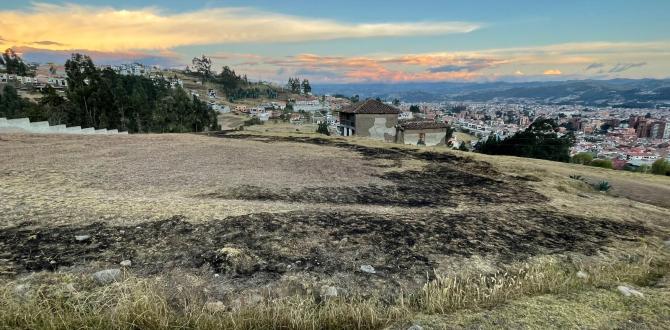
column 643, row 93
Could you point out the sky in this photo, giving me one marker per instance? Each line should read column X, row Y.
column 350, row 41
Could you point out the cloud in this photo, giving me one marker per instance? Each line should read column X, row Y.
column 47, row 43
column 467, row 65
column 552, row 72
column 109, row 29
column 547, row 62
column 164, row 59
column 621, row 67
column 594, row 66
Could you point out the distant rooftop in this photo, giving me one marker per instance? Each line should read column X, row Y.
column 425, row 124
column 370, row 106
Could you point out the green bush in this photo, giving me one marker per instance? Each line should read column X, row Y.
column 583, row 158
column 604, row 186
column 660, row 167
column 253, row 121
column 323, row 128
column 603, row 163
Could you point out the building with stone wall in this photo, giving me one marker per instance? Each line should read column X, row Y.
column 428, row 133
column 371, row 118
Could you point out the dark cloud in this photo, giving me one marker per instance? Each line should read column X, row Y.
column 47, row 43
column 621, row 67
column 594, row 66
column 467, row 66
column 317, row 73
column 109, row 58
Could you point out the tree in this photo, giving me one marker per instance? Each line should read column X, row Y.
column 661, row 167
column 55, row 105
column 602, row 163
column 294, row 85
column 202, row 66
column 539, row 140
column 583, row 158
column 82, row 79
column 14, row 64
column 414, row 108
column 306, row 88
column 323, row 128
column 396, row 102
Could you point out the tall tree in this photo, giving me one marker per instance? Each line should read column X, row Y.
column 306, row 88
column 14, row 64
column 202, row 66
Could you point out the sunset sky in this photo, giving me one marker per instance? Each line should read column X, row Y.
column 356, row 41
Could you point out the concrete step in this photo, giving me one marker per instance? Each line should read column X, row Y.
column 73, row 130
column 58, row 129
column 24, row 125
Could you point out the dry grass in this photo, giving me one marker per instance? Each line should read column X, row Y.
column 65, row 301
column 129, row 181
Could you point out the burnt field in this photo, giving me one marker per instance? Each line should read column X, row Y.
column 289, row 215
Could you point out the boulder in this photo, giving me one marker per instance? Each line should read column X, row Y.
column 107, row 276
column 82, row 238
column 328, row 292
column 126, row 263
column 368, row 269
column 629, row 292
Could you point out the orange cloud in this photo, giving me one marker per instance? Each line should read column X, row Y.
column 552, row 72
column 69, row 26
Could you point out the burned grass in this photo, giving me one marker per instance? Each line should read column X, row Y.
column 260, row 248
column 446, row 181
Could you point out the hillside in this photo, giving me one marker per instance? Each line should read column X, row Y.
column 272, row 227
column 644, row 93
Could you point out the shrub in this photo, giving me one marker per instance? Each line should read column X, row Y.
column 603, row 186
column 583, row 158
column 253, row 121
column 323, row 128
column 660, row 167
column 603, row 163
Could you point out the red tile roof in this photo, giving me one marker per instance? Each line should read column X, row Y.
column 370, row 106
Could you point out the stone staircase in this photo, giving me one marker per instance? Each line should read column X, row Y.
column 43, row 127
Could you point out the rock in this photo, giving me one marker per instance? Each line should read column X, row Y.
column 328, row 292
column 582, row 274
column 583, row 195
column 107, row 276
column 415, row 327
column 215, row 306
column 626, row 291
column 82, row 238
column 126, row 263
column 667, row 243
column 368, row 269
column 22, row 290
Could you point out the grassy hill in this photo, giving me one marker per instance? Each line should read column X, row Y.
column 277, row 228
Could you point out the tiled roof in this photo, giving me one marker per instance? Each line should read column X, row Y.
column 370, row 106
column 422, row 125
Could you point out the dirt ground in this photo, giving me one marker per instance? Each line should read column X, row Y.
column 258, row 210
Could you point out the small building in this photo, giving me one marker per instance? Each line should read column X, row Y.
column 428, row 133
column 371, row 118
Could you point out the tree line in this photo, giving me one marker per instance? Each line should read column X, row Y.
column 539, row 140
column 104, row 99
